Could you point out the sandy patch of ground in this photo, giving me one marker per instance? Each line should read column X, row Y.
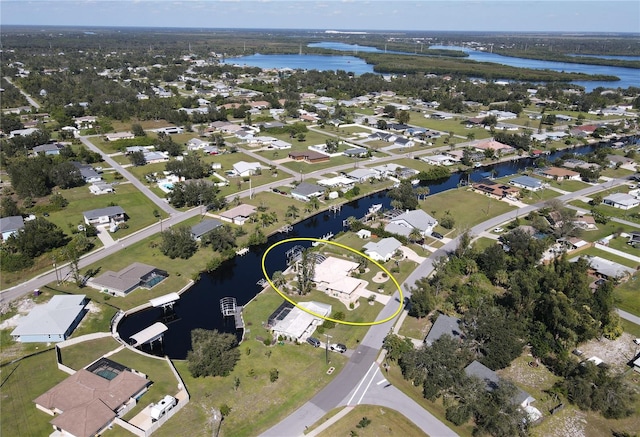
column 23, row 306
column 566, row 425
column 616, row 353
column 379, row 279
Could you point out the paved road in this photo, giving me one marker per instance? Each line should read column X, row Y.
column 161, row 203
column 361, row 378
column 628, row 316
column 27, row 96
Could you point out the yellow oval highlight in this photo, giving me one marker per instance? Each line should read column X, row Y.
column 343, row 322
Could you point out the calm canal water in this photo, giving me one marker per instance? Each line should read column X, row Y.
column 200, row 306
column 628, row 76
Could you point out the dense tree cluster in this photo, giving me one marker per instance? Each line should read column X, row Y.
column 194, row 193
column 403, row 196
column 213, row 353
column 177, row 242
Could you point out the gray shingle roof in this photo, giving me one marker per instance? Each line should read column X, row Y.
column 385, row 246
column 444, row 325
column 205, row 226
column 492, row 380
column 307, row 189
column 416, row 219
column 100, row 212
column 12, row 223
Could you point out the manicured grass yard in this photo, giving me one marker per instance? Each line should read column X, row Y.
column 468, row 208
column 82, row 354
column 627, row 296
column 302, row 372
column 384, row 421
column 22, row 382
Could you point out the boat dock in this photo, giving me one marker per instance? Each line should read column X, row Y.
column 285, row 229
column 243, row 251
column 229, row 308
column 328, row 236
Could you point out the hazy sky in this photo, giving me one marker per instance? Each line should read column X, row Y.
column 511, row 15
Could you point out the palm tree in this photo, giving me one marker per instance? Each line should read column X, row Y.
column 278, row 279
column 396, row 204
column 314, row 203
column 422, row 192
column 415, row 235
column 292, row 211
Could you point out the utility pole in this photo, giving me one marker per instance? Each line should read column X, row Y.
column 326, row 348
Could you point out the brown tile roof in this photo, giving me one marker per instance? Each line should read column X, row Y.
column 84, row 398
column 560, row 172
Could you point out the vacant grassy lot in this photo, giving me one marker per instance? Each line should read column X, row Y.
column 627, row 295
column 414, row 327
column 468, row 208
column 22, row 382
column 384, row 421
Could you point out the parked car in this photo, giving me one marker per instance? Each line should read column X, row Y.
column 498, row 230
column 437, row 235
column 313, row 341
column 637, row 341
column 338, row 347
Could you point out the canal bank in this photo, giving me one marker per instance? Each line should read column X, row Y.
column 238, row 277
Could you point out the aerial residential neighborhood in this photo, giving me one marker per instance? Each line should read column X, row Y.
column 410, row 243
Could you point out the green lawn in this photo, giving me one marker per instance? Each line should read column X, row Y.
column 592, row 251
column 631, row 328
column 252, row 403
column 632, row 215
column 532, row 197
column 627, row 296
column 22, row 382
column 568, row 185
column 137, row 206
column 468, row 208
column 415, row 328
column 82, row 354
column 384, row 421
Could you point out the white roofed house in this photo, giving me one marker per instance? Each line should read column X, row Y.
column 294, row 323
column 196, row 144
column 382, row 250
column 332, row 276
column 404, row 223
column 119, row 136
column 245, row 169
column 52, row 322
column 621, row 201
column 363, row 174
column 48, row 149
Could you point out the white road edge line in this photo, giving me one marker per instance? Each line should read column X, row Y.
column 364, row 392
column 361, row 382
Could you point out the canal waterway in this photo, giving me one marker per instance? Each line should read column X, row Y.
column 628, row 76
column 199, row 307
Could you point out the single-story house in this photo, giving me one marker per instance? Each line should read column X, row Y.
column 85, row 122
column 123, row 282
column 119, row 136
column 363, row 174
column 332, row 276
column 382, row 250
column 358, row 152
column 404, row 223
column 10, row 226
column 621, row 201
column 444, row 325
column 100, row 216
column 52, row 322
column 606, row 269
column 585, row 221
column 527, row 183
column 238, row 215
column 491, row 144
column 439, row 159
column 404, row 142
column 153, row 157
column 560, row 174
column 383, row 136
column 295, row 323
column 305, row 191
column 492, row 380
column 245, row 169
column 495, row 189
column 309, row 156
column 88, row 173
column 634, row 239
column 338, row 181
column 48, row 149
column 205, row 226
column 86, row 403
column 100, row 188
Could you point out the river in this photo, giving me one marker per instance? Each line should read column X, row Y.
column 628, row 76
column 199, row 307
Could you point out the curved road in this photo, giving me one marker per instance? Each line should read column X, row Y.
column 361, row 381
